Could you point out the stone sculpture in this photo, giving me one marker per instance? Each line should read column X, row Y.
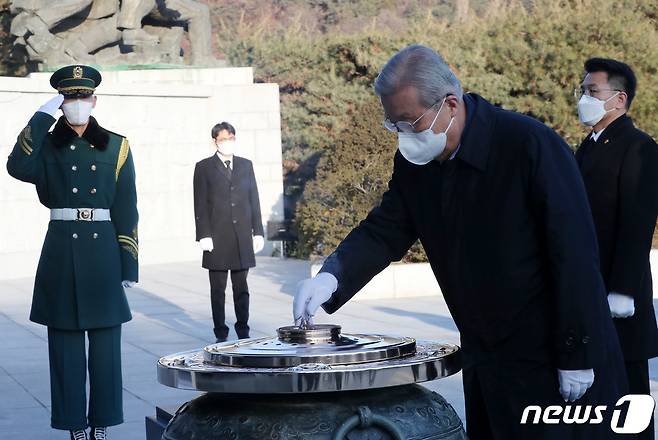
column 111, row 32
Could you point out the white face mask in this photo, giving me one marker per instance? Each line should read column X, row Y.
column 591, row 110
column 227, row 147
column 421, row 148
column 77, row 112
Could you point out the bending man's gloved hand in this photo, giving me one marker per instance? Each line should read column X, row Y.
column 311, row 294
column 128, row 284
column 259, row 243
column 574, row 383
column 621, row 306
column 52, row 105
column 206, row 244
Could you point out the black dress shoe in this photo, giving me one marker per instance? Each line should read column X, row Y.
column 99, row 433
column 218, row 340
column 79, row 434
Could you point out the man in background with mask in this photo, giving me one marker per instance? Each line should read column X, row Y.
column 497, row 202
column 229, row 228
column 619, row 164
column 85, row 175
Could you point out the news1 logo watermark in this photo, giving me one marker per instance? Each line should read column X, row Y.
column 631, row 414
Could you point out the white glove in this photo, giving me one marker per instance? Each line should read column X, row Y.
column 52, row 105
column 574, row 383
column 311, row 294
column 621, row 306
column 128, row 284
column 206, row 244
column 259, row 243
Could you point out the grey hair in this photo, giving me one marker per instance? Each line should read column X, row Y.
column 422, row 68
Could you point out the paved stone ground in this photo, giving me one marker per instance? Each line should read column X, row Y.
column 171, row 309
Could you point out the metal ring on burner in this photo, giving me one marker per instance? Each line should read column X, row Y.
column 315, row 333
column 284, row 352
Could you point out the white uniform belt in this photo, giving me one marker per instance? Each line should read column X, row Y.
column 80, row 214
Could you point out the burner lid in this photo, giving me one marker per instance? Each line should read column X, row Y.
column 308, row 360
column 317, row 344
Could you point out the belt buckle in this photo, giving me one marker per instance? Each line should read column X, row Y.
column 85, row 214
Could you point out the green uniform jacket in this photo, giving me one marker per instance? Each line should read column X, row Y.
column 78, row 281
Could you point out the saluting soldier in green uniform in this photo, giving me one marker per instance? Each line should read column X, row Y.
column 85, row 175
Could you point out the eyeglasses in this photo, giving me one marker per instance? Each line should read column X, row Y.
column 408, row 127
column 578, row 92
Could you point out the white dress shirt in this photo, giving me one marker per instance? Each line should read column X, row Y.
column 596, row 136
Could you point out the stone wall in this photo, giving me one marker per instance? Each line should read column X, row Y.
column 167, row 116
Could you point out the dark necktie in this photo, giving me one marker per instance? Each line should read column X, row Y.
column 584, row 149
column 228, row 167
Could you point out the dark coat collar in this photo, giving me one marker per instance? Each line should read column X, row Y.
column 62, row 135
column 476, row 137
column 617, row 126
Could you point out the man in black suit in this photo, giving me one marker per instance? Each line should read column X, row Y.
column 228, row 226
column 619, row 164
column 497, row 201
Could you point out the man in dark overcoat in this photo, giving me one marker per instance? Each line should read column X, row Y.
column 619, row 164
column 228, row 226
column 85, row 175
column 496, row 199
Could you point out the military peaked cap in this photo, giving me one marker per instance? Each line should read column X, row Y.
column 76, row 81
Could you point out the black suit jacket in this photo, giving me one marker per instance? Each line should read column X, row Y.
column 226, row 208
column 508, row 232
column 620, row 171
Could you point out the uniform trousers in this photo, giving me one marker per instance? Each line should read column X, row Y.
column 68, row 376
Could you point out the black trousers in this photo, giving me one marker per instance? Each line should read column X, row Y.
column 638, row 383
column 68, row 374
column 218, row 279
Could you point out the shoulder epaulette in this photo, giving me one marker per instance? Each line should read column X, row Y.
column 123, row 155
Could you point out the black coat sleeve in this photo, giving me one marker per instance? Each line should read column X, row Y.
column 384, row 236
column 636, row 218
column 201, row 214
column 560, row 202
column 254, row 202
